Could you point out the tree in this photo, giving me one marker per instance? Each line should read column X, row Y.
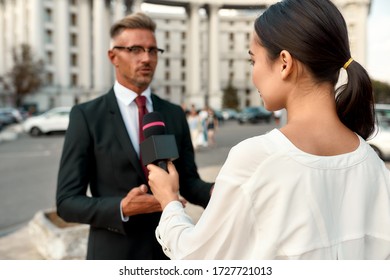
column 230, row 98
column 26, row 76
column 381, row 92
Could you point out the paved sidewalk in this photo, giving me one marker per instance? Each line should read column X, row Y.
column 10, row 132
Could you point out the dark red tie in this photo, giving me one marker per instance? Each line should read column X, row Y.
column 141, row 104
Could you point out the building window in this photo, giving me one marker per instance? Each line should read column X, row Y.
column 167, row 76
column 73, row 40
column 183, row 35
column 183, row 63
column 183, row 76
column 73, row 2
column 49, row 57
column 49, row 78
column 48, row 15
column 49, row 36
column 167, row 62
column 167, row 35
column 73, row 59
column 73, row 79
column 73, row 20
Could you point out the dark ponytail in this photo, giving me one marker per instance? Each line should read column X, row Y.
column 355, row 101
column 315, row 33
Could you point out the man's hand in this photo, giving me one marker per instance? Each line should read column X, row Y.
column 138, row 201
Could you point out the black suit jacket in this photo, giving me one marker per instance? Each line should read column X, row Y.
column 98, row 154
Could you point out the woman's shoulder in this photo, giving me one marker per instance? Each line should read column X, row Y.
column 264, row 144
column 269, row 139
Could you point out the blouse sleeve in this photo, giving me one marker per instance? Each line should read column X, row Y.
column 227, row 223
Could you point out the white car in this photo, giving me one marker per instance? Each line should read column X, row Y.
column 54, row 120
column 380, row 142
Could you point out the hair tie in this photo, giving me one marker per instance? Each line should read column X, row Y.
column 347, row 63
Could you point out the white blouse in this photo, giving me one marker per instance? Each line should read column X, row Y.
column 274, row 201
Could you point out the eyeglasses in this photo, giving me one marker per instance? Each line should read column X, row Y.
column 137, row 50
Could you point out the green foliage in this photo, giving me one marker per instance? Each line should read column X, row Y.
column 381, row 92
column 230, row 97
column 26, row 76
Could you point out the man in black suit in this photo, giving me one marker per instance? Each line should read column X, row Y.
column 101, row 152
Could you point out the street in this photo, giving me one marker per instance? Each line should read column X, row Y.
column 29, row 166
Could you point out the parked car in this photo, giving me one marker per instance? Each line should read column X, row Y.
column 229, row 114
column 54, row 120
column 254, row 114
column 380, row 140
column 5, row 119
column 382, row 112
column 219, row 116
column 9, row 115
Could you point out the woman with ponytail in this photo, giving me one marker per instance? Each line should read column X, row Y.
column 313, row 189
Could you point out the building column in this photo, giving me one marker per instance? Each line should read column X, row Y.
column 2, row 39
column 193, row 66
column 85, row 45
column 21, row 25
column 136, row 6
column 62, row 42
column 101, row 43
column 36, row 28
column 9, row 36
column 360, row 34
column 214, row 94
column 119, row 10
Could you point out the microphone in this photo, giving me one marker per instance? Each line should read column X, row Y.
column 158, row 147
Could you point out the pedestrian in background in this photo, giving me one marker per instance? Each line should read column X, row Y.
column 196, row 128
column 313, row 189
column 211, row 126
column 203, row 114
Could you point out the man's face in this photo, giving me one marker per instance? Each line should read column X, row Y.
column 134, row 70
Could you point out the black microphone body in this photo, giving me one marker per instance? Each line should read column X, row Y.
column 157, row 148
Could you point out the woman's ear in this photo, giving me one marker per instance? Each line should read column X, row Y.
column 286, row 63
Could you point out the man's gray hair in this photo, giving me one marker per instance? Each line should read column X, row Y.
column 133, row 21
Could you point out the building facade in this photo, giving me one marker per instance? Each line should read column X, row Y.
column 205, row 42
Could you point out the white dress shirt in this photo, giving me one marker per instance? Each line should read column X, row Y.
column 274, row 201
column 129, row 110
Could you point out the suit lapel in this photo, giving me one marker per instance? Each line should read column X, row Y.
column 121, row 132
column 158, row 106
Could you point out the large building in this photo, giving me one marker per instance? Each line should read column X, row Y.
column 205, row 41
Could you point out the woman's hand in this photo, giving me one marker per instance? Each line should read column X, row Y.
column 164, row 186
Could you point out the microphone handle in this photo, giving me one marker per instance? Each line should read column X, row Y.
column 163, row 164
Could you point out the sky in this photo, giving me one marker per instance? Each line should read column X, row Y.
column 378, row 41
